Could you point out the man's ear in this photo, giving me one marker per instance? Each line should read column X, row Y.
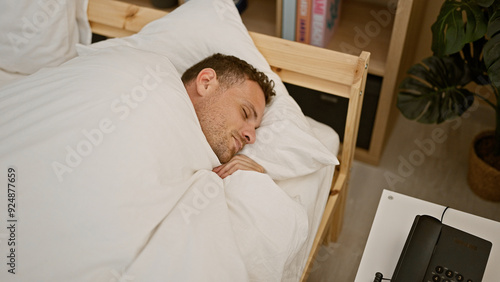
column 206, row 82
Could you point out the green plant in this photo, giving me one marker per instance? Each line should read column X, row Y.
column 466, row 48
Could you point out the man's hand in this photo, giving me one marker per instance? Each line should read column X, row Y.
column 238, row 162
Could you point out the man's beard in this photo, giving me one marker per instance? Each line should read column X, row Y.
column 215, row 130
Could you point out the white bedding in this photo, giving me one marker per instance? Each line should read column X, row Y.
column 38, row 34
column 7, row 77
column 311, row 191
column 104, row 191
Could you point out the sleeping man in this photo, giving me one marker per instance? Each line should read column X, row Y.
column 229, row 97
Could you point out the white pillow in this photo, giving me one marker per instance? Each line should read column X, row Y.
column 286, row 146
column 43, row 33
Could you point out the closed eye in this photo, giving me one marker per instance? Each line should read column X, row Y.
column 245, row 114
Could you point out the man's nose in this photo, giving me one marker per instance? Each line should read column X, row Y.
column 249, row 134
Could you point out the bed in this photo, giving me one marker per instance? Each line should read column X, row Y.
column 277, row 220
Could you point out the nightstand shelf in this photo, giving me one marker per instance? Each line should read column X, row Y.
column 388, row 33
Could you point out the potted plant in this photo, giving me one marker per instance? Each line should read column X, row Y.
column 466, row 49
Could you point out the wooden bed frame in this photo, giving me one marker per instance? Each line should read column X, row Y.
column 320, row 69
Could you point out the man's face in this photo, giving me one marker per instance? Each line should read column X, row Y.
column 229, row 118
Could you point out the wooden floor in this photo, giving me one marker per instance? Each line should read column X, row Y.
column 435, row 172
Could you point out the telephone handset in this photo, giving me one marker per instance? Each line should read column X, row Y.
column 437, row 252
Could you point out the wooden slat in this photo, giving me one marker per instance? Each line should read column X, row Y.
column 354, row 113
column 307, row 59
column 121, row 15
column 313, row 83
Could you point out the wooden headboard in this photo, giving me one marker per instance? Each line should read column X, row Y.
column 304, row 65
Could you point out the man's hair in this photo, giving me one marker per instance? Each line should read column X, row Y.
column 231, row 70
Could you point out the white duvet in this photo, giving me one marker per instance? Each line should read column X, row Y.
column 113, row 182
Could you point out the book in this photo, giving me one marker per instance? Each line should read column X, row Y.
column 303, row 26
column 325, row 16
column 289, row 14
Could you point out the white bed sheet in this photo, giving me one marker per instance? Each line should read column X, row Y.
column 311, row 191
column 8, row 77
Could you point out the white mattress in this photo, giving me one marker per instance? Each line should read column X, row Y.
column 314, row 198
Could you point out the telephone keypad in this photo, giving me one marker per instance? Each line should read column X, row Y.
column 443, row 274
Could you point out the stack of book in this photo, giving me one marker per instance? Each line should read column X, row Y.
column 310, row 21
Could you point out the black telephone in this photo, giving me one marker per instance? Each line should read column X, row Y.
column 437, row 252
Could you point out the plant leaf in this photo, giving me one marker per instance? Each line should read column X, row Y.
column 450, row 32
column 485, row 3
column 433, row 92
column 472, row 55
column 492, row 49
column 492, row 60
column 493, row 24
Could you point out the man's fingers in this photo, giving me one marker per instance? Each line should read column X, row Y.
column 238, row 162
column 217, row 168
